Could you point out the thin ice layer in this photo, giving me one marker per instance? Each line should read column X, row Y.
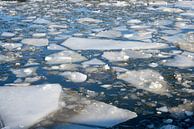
column 22, row 107
column 100, row 44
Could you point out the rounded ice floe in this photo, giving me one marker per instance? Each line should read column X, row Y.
column 24, row 106
column 75, row 76
column 66, row 56
column 147, row 79
column 7, row 34
column 36, row 42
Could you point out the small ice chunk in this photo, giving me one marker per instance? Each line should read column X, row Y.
column 7, row 34
column 169, row 127
column 147, row 79
column 101, row 114
column 180, row 61
column 109, row 34
column 93, row 62
column 124, row 55
column 41, row 21
column 11, row 46
column 39, row 35
column 6, row 58
column 24, row 72
column 100, row 44
column 55, row 47
column 36, row 42
column 163, row 109
column 75, row 76
column 62, row 57
column 22, row 107
column 88, row 20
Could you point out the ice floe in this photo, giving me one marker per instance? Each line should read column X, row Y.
column 24, row 72
column 109, row 115
column 88, row 20
column 109, row 34
column 124, row 55
column 36, row 41
column 180, row 61
column 93, row 62
column 74, row 76
column 100, row 44
column 7, row 34
column 22, row 107
column 41, row 21
column 62, row 57
column 147, row 79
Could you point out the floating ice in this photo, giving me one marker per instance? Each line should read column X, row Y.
column 124, row 55
column 99, row 44
column 41, row 21
column 11, row 46
column 109, row 34
column 147, row 79
column 55, row 47
column 67, row 56
column 22, row 107
column 24, row 72
column 39, row 35
column 93, row 62
column 89, row 20
column 36, row 42
column 180, row 61
column 101, row 114
column 7, row 34
column 75, row 76
column 6, row 58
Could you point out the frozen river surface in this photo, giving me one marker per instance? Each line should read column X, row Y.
column 81, row 64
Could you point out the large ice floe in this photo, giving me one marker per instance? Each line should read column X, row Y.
column 22, row 107
column 100, row 44
column 147, row 79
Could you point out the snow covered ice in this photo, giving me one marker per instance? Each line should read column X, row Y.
column 22, row 107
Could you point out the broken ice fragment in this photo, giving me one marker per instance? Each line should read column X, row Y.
column 7, row 34
column 62, row 57
column 147, row 79
column 22, row 107
column 75, row 76
column 36, row 42
column 101, row 114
